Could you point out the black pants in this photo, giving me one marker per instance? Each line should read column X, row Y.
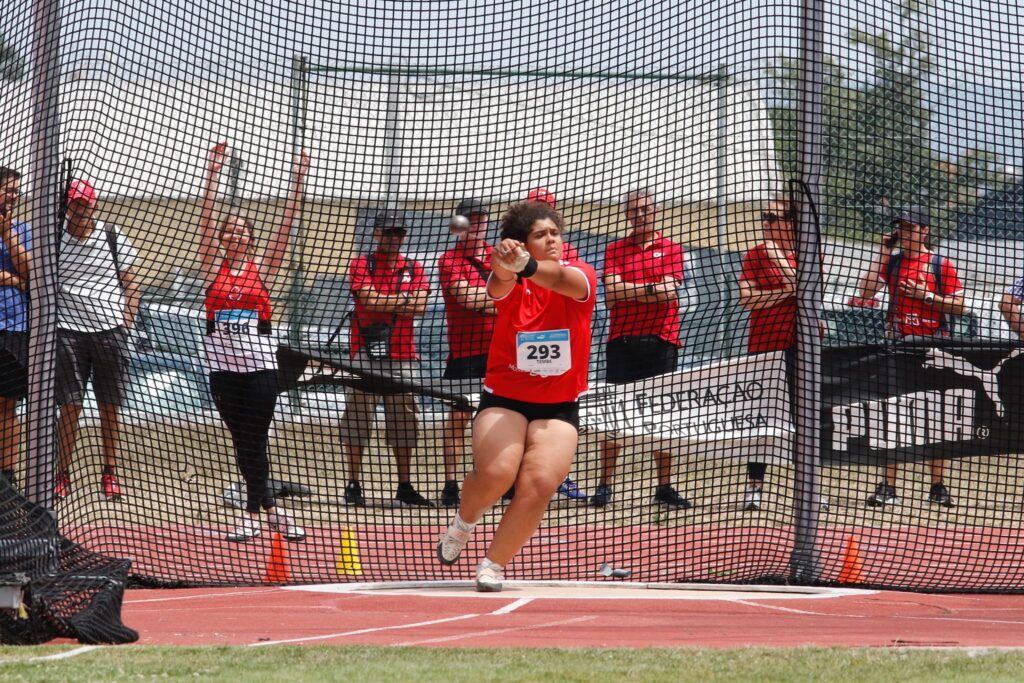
column 756, row 470
column 631, row 359
column 246, row 403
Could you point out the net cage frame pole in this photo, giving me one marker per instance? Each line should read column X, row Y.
column 299, row 87
column 393, row 142
column 44, row 175
column 721, row 182
column 805, row 561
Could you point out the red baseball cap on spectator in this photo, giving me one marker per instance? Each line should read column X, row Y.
column 82, row 191
column 541, row 194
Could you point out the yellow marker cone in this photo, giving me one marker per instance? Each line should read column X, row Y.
column 348, row 558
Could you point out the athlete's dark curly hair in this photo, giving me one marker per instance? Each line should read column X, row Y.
column 517, row 221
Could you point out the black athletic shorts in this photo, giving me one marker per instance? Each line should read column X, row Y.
column 470, row 367
column 14, row 365
column 103, row 356
column 566, row 412
column 631, row 359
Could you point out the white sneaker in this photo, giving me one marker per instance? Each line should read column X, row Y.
column 489, row 577
column 283, row 524
column 451, row 543
column 248, row 528
column 752, row 498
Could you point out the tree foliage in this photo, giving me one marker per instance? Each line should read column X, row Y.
column 878, row 155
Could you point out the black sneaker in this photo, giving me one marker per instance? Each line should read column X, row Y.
column 940, row 495
column 602, row 496
column 884, row 495
column 9, row 476
column 407, row 496
column 450, row 494
column 666, row 495
column 354, row 494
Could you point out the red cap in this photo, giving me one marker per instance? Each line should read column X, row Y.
column 82, row 191
column 541, row 194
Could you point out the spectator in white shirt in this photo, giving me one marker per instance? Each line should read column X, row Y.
column 97, row 302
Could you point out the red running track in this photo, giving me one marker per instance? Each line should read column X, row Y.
column 267, row 616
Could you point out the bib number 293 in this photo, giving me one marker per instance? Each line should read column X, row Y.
column 546, row 353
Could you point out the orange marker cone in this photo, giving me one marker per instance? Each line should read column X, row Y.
column 348, row 559
column 277, row 563
column 853, row 569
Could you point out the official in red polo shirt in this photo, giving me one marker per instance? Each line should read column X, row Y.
column 390, row 290
column 642, row 275
column 463, row 271
column 923, row 291
column 768, row 292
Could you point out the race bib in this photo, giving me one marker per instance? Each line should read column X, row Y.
column 235, row 322
column 543, row 353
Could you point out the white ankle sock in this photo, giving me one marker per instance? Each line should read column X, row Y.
column 485, row 563
column 462, row 525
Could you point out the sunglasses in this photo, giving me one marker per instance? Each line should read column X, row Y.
column 397, row 232
column 769, row 217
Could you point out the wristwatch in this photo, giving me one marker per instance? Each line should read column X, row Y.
column 929, row 297
column 649, row 288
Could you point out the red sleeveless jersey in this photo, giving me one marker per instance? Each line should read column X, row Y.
column 244, row 291
column 541, row 345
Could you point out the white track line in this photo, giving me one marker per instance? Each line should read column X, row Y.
column 512, row 606
column 200, row 597
column 363, row 631
column 790, row 610
column 970, row 621
column 50, row 658
column 889, row 616
column 493, row 632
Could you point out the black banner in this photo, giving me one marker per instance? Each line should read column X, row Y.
column 921, row 398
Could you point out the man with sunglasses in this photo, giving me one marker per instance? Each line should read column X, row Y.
column 15, row 244
column 768, row 292
column 390, row 291
column 923, row 291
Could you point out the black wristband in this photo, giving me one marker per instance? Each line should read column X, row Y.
column 530, row 269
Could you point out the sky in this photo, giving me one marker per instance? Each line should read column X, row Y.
column 975, row 94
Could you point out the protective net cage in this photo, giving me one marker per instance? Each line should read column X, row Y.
column 274, row 237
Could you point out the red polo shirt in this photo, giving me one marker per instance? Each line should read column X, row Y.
column 911, row 316
column 772, row 328
column 406, row 276
column 531, row 317
column 646, row 264
column 469, row 331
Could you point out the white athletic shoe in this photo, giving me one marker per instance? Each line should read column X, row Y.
column 452, row 541
column 283, row 524
column 248, row 528
column 752, row 498
column 489, row 577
